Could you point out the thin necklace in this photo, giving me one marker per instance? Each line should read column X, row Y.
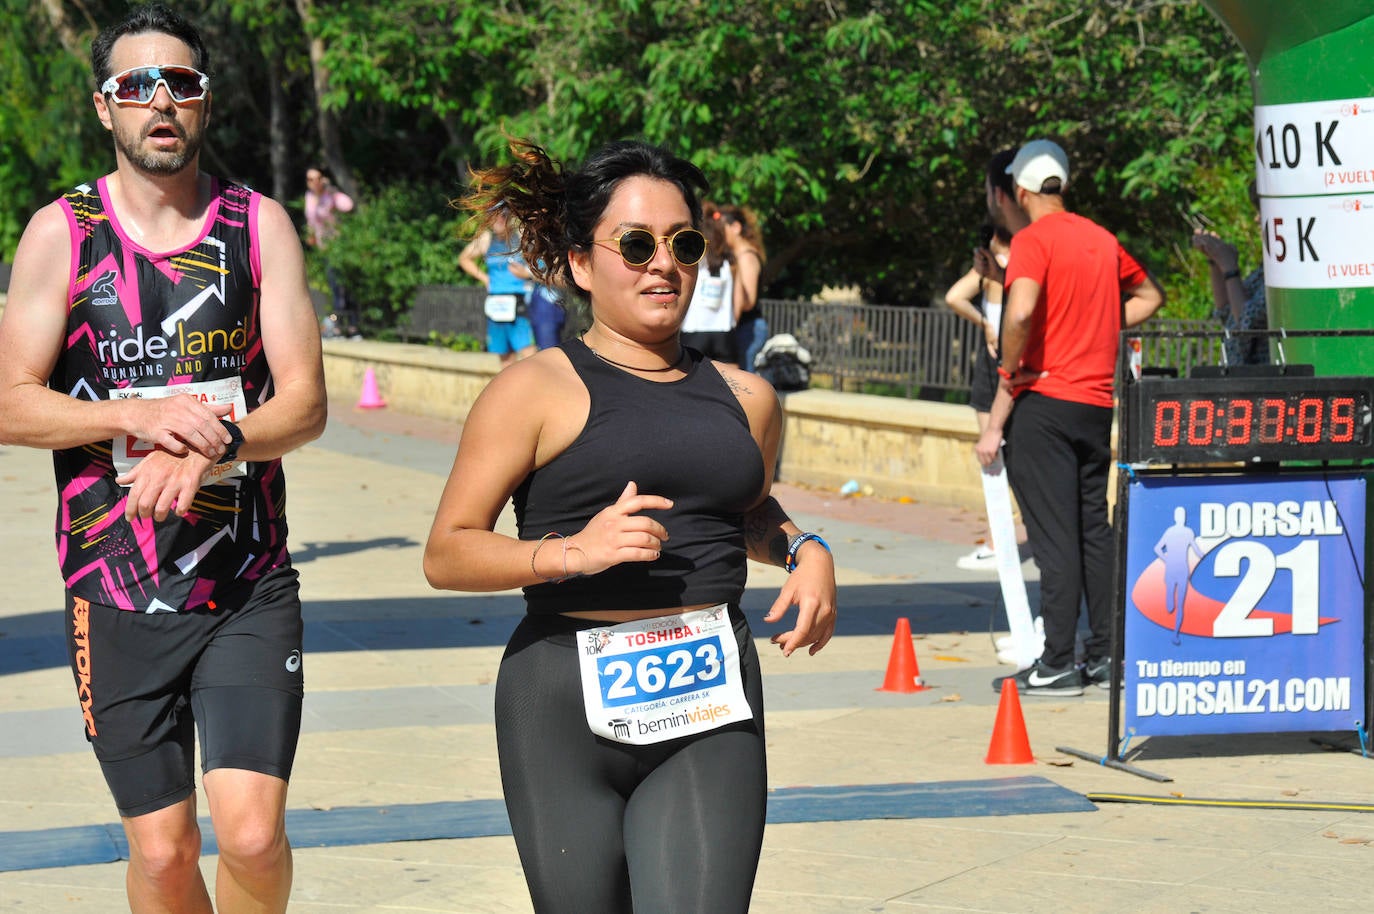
column 682, row 354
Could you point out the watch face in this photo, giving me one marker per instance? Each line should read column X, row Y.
column 1252, row 419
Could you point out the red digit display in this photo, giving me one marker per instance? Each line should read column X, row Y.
column 1240, row 416
column 1168, row 414
column 1342, row 419
column 1309, row 427
column 1201, row 413
column 1205, row 420
column 1272, row 413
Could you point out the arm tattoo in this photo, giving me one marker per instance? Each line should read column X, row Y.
column 763, row 533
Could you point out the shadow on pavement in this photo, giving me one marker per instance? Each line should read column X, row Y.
column 309, row 552
column 34, row 641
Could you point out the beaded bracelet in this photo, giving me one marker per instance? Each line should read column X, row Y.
column 791, row 563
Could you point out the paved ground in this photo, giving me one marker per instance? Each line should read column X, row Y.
column 398, row 734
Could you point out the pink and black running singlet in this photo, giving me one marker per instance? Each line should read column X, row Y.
column 148, row 324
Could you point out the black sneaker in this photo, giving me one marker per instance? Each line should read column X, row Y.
column 1098, row 672
column 1043, row 680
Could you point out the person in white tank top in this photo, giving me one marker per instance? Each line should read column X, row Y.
column 709, row 325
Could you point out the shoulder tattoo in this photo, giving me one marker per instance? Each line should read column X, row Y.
column 737, row 385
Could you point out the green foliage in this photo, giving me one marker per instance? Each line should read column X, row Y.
column 886, row 389
column 1154, row 105
column 857, row 129
column 402, row 236
column 458, row 342
column 1221, row 201
column 50, row 139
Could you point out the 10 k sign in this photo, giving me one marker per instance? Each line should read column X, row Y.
column 1245, row 604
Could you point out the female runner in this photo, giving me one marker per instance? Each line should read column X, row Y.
column 629, row 713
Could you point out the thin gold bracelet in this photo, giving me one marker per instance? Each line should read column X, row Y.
column 567, row 541
column 535, row 553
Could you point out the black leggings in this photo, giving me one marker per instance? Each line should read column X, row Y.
column 605, row 827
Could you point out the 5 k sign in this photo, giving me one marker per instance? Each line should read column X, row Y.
column 1245, row 604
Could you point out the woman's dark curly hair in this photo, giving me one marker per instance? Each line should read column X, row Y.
column 558, row 211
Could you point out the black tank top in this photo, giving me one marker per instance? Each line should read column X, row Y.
column 687, row 440
column 143, row 319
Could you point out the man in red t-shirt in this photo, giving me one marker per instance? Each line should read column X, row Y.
column 1066, row 281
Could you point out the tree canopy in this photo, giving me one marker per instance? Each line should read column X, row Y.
column 858, row 131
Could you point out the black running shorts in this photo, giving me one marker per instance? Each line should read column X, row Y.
column 144, row 679
column 984, row 379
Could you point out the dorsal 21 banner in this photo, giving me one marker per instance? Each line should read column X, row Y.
column 1245, row 604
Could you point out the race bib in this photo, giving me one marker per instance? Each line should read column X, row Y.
column 127, row 450
column 501, row 307
column 711, row 291
column 652, row 680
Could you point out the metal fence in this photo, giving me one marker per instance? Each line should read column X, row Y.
column 910, row 352
column 929, row 352
column 445, row 311
column 1184, row 351
column 898, row 351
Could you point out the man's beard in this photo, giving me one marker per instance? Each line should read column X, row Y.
column 158, row 161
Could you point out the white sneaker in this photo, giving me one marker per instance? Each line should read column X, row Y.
column 980, row 559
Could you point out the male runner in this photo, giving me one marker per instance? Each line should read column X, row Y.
column 168, row 367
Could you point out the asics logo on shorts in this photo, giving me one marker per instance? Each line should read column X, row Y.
column 293, row 662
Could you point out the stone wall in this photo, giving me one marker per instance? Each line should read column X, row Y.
column 897, row 447
column 894, row 446
column 411, row 378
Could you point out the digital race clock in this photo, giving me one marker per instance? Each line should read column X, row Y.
column 1204, row 420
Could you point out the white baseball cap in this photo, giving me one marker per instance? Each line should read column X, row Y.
column 1037, row 162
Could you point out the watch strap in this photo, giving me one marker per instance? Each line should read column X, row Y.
column 231, row 451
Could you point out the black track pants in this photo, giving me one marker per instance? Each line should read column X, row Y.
column 1059, row 457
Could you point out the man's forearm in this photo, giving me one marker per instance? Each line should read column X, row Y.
column 1014, row 336
column 1000, row 411
column 292, row 418
column 36, row 416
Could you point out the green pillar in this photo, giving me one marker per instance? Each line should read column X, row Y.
column 1312, row 69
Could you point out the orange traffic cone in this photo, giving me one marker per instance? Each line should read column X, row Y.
column 370, row 398
column 1010, row 745
column 903, row 675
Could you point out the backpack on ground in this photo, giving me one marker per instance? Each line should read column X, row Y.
column 784, row 363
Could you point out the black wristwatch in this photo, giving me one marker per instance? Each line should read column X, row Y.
column 231, row 453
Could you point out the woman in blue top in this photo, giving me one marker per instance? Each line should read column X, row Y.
column 493, row 259
column 629, row 711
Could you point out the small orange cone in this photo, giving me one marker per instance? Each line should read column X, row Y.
column 903, row 675
column 1010, row 745
column 370, row 398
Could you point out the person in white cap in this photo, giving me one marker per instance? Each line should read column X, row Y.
column 1066, row 281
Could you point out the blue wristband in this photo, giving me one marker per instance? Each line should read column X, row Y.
column 791, row 563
